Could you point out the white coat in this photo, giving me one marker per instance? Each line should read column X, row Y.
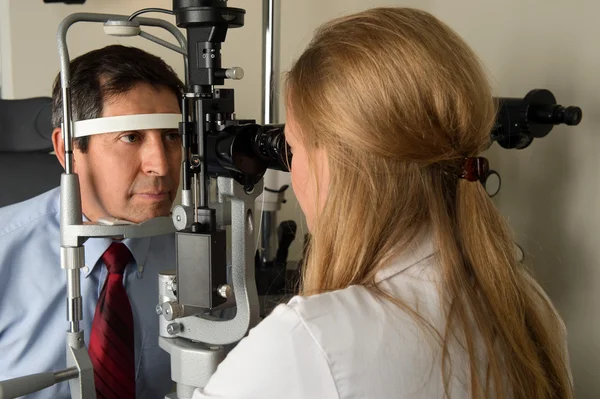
column 348, row 344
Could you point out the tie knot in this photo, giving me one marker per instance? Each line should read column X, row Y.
column 116, row 257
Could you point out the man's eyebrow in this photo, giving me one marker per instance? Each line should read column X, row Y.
column 143, row 131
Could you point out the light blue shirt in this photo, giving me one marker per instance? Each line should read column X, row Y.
column 33, row 314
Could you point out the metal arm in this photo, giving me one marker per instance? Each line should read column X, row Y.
column 74, row 233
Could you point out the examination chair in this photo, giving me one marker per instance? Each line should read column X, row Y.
column 27, row 168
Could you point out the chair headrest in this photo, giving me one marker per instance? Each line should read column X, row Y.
column 26, row 125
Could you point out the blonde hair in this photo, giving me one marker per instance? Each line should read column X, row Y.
column 399, row 100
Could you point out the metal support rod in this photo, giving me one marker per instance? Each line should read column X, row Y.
column 268, row 108
column 74, row 300
column 18, row 387
column 202, row 193
column 196, row 200
column 66, row 374
column 185, row 170
column 268, row 113
column 66, row 129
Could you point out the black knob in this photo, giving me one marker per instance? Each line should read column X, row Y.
column 572, row 116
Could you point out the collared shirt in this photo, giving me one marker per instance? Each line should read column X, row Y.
column 350, row 343
column 33, row 312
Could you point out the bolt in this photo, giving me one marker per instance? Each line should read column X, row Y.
column 224, row 291
column 158, row 309
column 174, row 328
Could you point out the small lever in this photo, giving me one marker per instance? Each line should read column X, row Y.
column 21, row 386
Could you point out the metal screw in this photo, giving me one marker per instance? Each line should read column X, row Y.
column 158, row 309
column 174, row 328
column 224, row 291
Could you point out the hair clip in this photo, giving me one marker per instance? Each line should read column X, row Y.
column 475, row 168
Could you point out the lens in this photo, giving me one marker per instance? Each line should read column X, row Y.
column 572, row 116
column 270, row 145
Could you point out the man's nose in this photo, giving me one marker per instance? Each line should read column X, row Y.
column 155, row 161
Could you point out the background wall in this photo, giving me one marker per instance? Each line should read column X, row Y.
column 549, row 189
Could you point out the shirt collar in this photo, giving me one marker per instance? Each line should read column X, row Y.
column 419, row 249
column 95, row 247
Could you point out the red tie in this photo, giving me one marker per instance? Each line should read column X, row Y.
column 111, row 339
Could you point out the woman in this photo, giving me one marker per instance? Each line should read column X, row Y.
column 411, row 284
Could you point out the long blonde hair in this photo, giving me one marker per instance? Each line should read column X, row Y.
column 399, row 100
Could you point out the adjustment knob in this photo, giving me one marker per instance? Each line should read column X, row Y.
column 181, row 217
column 171, row 310
column 224, row 291
column 235, row 73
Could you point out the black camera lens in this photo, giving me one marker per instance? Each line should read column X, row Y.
column 246, row 151
column 269, row 143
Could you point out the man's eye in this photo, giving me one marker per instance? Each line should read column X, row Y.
column 129, row 138
column 173, row 136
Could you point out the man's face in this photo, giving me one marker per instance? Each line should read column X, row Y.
column 132, row 175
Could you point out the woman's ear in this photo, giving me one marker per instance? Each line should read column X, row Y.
column 59, row 145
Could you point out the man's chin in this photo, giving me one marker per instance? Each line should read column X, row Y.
column 141, row 214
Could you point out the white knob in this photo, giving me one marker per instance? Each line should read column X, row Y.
column 180, row 217
column 235, row 73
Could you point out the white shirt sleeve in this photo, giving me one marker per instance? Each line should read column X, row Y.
column 279, row 359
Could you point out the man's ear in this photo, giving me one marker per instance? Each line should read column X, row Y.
column 59, row 145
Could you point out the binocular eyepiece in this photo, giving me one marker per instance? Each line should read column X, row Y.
column 520, row 120
column 247, row 150
column 557, row 115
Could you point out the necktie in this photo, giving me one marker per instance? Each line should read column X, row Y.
column 111, row 338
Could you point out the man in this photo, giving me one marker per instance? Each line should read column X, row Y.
column 130, row 175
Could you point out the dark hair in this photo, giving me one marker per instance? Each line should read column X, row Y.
column 106, row 72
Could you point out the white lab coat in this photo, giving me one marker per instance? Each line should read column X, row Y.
column 347, row 344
